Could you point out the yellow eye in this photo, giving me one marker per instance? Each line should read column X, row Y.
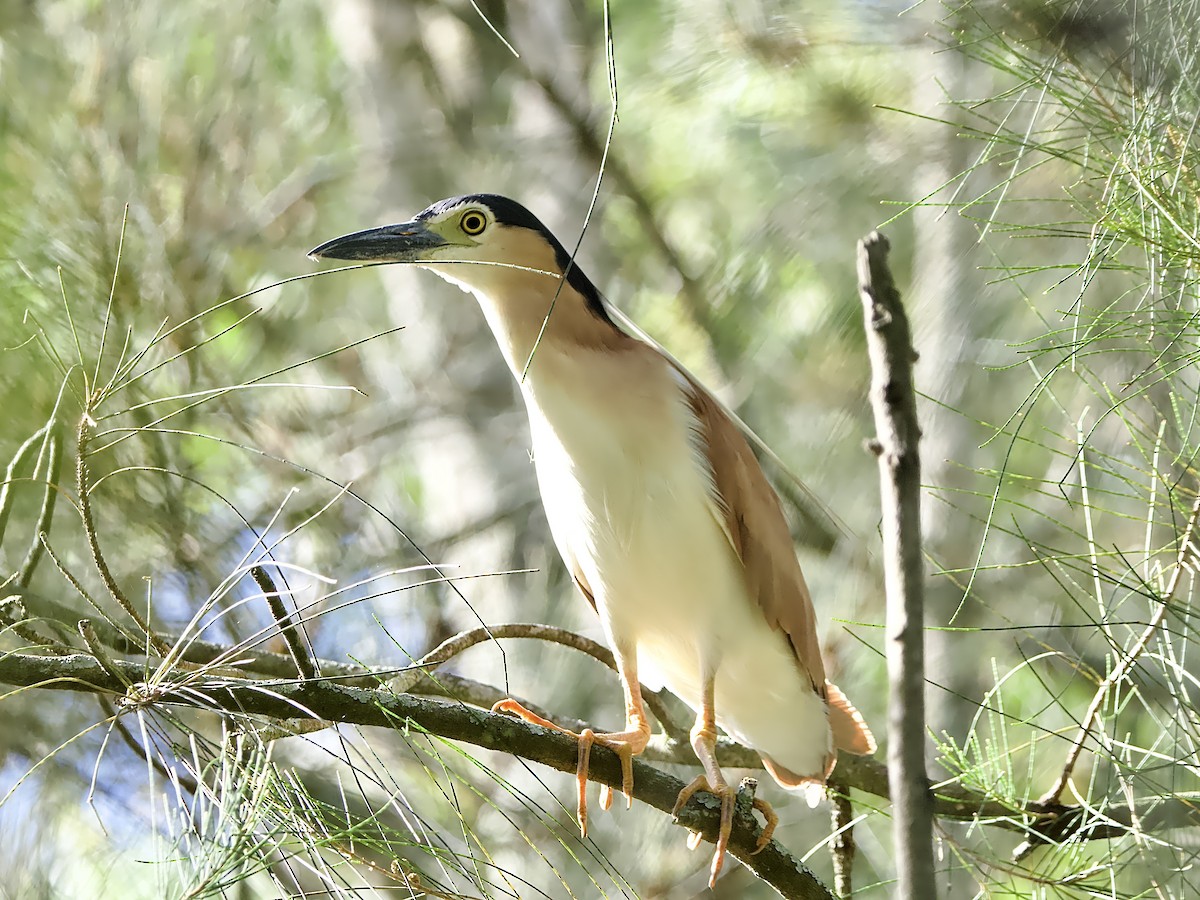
column 473, row 222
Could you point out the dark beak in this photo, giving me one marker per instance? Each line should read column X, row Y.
column 406, row 242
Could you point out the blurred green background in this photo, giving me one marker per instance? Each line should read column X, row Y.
column 1040, row 195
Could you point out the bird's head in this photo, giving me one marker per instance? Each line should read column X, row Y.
column 500, row 251
column 463, row 238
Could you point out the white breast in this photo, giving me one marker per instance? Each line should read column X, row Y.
column 629, row 501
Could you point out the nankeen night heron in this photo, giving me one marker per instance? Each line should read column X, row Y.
column 658, row 506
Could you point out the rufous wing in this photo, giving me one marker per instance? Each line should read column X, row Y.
column 753, row 521
column 850, row 731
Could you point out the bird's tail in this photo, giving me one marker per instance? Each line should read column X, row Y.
column 850, row 731
column 812, row 787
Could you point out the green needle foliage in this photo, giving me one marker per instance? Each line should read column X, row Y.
column 273, row 472
column 1093, row 226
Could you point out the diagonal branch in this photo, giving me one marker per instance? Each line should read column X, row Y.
column 294, row 636
column 83, row 483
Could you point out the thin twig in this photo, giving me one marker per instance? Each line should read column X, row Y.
column 293, row 635
column 33, row 556
column 893, row 400
column 10, row 475
column 452, row 647
column 83, row 486
column 88, row 633
column 14, row 616
column 691, row 296
column 602, row 165
column 1053, row 797
column 60, row 613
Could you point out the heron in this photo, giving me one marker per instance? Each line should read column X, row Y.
column 657, row 504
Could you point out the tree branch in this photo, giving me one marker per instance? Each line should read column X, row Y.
column 865, row 774
column 332, row 702
column 83, row 483
column 889, row 343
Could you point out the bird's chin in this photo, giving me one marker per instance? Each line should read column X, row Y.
column 451, row 273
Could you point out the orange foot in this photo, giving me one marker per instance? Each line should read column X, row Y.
column 626, row 744
column 727, row 795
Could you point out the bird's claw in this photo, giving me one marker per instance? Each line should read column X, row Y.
column 625, row 744
column 770, row 819
column 728, row 797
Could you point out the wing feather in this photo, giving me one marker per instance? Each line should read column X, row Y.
column 758, row 531
column 753, row 521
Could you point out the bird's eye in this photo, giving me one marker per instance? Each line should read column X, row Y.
column 473, row 222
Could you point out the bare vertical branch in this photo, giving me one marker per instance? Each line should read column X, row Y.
column 893, row 400
column 842, row 844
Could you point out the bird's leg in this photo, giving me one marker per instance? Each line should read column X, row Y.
column 626, row 744
column 704, row 742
